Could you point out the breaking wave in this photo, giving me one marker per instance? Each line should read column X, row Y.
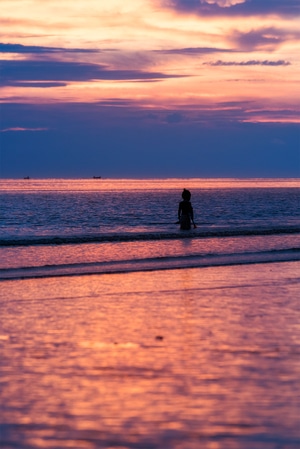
column 132, row 237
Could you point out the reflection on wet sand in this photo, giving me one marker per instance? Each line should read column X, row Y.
column 173, row 359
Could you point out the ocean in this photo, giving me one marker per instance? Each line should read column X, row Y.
column 56, row 226
column 119, row 330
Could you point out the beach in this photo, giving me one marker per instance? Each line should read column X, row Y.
column 119, row 330
column 184, row 358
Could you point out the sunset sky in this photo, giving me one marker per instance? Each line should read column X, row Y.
column 200, row 88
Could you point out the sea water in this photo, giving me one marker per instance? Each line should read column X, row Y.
column 118, row 330
column 55, row 226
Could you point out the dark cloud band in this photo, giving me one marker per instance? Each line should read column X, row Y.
column 190, row 51
column 248, row 63
column 246, row 8
column 13, row 72
column 34, row 49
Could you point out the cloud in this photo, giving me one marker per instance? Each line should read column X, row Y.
column 248, row 63
column 82, row 137
column 14, row 72
column 261, row 38
column 189, row 51
column 174, row 117
column 289, row 8
column 117, row 112
column 23, row 49
column 20, row 129
column 224, row 3
column 35, row 84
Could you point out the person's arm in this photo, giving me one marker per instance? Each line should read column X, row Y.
column 192, row 213
column 192, row 216
column 179, row 211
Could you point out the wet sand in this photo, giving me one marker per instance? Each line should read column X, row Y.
column 177, row 359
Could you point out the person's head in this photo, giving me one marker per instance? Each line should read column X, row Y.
column 186, row 195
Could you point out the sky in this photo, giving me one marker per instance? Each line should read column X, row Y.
column 150, row 88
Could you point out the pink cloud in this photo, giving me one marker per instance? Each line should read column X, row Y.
column 20, row 129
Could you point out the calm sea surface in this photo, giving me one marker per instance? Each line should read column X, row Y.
column 119, row 331
column 89, row 226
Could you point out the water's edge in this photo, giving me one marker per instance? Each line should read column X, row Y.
column 132, row 237
column 155, row 264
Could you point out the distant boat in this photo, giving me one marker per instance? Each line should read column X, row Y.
column 96, row 177
column 26, row 177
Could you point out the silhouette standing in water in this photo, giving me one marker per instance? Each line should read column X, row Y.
column 185, row 211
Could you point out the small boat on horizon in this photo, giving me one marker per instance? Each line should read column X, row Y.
column 96, row 177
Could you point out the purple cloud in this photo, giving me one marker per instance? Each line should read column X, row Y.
column 33, row 49
column 30, row 117
column 194, row 51
column 174, row 117
column 261, row 38
column 248, row 63
column 125, row 141
column 19, row 72
column 227, row 8
column 43, row 84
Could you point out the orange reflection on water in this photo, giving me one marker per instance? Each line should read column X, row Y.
column 170, row 357
column 81, row 185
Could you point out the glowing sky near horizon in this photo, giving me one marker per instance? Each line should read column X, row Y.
column 202, row 61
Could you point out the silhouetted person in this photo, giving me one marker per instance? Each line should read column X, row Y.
column 185, row 211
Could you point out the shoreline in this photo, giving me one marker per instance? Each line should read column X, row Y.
column 123, row 267
column 202, row 232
